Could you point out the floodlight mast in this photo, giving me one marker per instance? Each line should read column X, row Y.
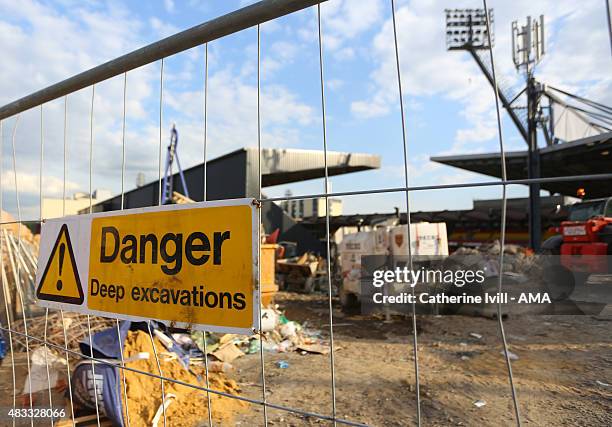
column 466, row 29
column 527, row 51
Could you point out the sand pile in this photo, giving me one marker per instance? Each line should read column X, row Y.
column 189, row 407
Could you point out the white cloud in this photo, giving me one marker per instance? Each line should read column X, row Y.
column 343, row 21
column 457, row 177
column 369, row 109
column 427, row 69
column 418, row 166
column 161, row 28
column 280, row 54
column 284, row 50
column 334, row 84
column 347, row 19
column 42, row 46
column 169, row 5
column 344, row 54
column 29, row 184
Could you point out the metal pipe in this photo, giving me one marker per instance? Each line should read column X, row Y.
column 332, row 362
column 230, row 23
column 415, row 341
column 504, row 213
column 533, row 165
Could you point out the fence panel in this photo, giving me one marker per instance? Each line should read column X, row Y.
column 57, row 342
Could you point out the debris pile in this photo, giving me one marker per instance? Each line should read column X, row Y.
column 186, row 406
column 279, row 335
column 19, row 251
column 305, row 273
column 182, row 358
column 11, row 225
column 517, row 259
column 76, row 326
column 43, row 360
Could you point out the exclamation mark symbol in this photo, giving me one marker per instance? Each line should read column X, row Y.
column 62, row 249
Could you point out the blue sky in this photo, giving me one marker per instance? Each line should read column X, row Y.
column 449, row 105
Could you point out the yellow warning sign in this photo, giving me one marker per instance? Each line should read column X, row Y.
column 186, row 265
column 60, row 281
column 190, row 265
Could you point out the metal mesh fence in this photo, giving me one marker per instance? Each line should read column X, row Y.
column 57, row 333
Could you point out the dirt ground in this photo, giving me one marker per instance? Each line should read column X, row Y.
column 560, row 358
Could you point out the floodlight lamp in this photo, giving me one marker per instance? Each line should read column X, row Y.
column 467, row 29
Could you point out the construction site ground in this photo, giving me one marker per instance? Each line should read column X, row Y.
column 562, row 375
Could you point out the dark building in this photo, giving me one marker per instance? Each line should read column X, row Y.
column 236, row 175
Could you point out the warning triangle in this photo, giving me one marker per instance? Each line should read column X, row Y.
column 60, row 282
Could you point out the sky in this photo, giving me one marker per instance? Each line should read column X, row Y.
column 449, row 105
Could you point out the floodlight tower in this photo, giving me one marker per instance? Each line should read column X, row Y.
column 466, row 29
column 527, row 51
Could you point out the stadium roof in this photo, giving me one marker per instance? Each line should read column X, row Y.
column 586, row 156
column 236, row 174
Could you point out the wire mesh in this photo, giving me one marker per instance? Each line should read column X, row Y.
column 13, row 245
column 415, row 345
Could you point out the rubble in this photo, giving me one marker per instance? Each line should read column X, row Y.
column 303, row 273
column 269, row 319
column 517, row 259
column 19, row 250
column 280, row 336
column 41, row 360
column 228, row 352
column 75, row 325
column 182, row 360
column 313, row 348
